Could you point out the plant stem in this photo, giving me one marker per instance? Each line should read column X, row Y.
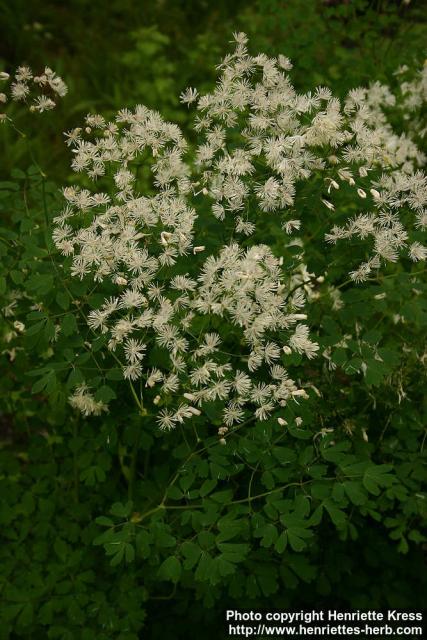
column 132, row 470
column 75, row 467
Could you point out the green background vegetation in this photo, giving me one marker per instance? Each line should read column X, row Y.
column 113, row 530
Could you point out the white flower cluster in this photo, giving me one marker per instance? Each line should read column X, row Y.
column 259, row 137
column 262, row 138
column 137, row 243
column 397, row 192
column 219, row 329
column 124, row 223
column 393, row 193
column 83, row 400
column 39, row 92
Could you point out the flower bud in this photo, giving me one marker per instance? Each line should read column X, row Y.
column 165, row 236
column 328, row 204
column 300, row 392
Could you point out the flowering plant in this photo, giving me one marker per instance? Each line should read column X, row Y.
column 261, row 143
column 225, row 337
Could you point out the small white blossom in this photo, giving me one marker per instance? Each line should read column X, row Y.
column 189, row 96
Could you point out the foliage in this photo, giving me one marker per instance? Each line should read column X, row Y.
column 106, row 519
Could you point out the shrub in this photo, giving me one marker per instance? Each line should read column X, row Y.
column 228, row 405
